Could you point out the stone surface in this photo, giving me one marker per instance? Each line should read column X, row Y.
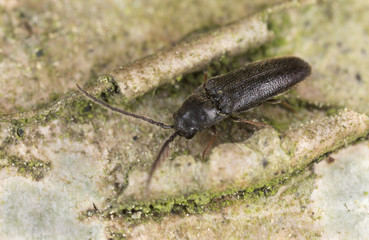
column 341, row 195
column 67, row 174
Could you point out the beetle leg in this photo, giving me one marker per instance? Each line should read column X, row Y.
column 214, row 131
column 284, row 103
column 205, row 77
column 205, row 81
column 288, row 106
column 274, row 101
column 257, row 124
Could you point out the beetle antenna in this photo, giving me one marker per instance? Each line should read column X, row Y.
column 114, row 109
column 159, row 159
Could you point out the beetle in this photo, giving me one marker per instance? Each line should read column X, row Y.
column 224, row 96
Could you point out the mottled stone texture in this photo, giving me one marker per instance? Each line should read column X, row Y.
column 70, row 169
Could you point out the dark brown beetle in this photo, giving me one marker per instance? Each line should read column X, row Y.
column 225, row 95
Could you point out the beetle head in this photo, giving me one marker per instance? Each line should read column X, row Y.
column 184, row 125
column 196, row 114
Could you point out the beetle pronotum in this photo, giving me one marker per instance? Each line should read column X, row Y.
column 224, row 96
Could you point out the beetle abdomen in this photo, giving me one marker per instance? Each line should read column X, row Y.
column 255, row 83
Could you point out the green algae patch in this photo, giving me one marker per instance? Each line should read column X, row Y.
column 198, row 202
column 255, row 167
column 83, row 113
column 104, row 86
column 258, row 164
column 33, row 168
column 195, row 196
